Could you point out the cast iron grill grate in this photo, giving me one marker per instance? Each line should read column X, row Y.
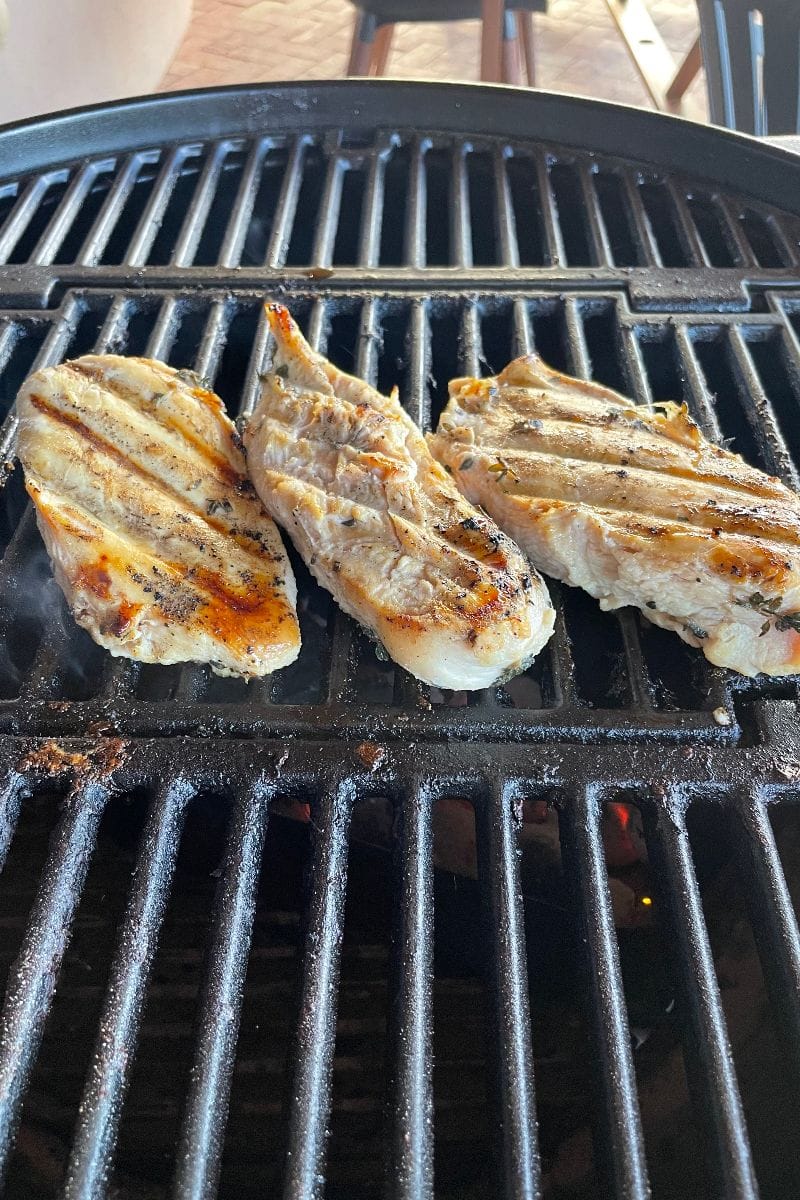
column 178, row 917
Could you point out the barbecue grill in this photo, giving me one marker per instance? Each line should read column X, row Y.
column 204, row 996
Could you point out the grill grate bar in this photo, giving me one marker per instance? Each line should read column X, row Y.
column 11, row 792
column 251, row 390
column 620, row 1143
column 32, row 978
column 164, row 330
column 118, row 1029
column 418, row 347
column 9, row 333
column 505, row 918
column 789, row 336
column 71, row 202
column 600, row 243
column 555, row 255
column 212, row 343
column 743, row 251
column 759, row 413
column 192, row 683
column 311, row 1091
column 368, row 343
column 580, row 358
column 22, row 213
column 642, row 694
column 13, row 562
column 687, row 230
column 197, row 215
column 328, row 217
column 774, row 921
column 647, row 251
column 44, row 677
column 698, row 395
column 150, row 221
column 506, row 221
column 96, row 239
column 370, row 238
column 470, row 342
column 707, row 1051
column 61, row 333
column 787, row 244
column 202, row 1135
column 286, row 208
column 411, row 1172
column 230, row 253
column 559, row 649
column 119, row 678
column 113, row 326
column 460, row 218
column 523, row 334
column 636, row 372
column 415, row 249
column 52, row 351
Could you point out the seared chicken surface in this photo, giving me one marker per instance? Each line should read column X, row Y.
column 381, row 525
column 635, row 506
column 155, row 533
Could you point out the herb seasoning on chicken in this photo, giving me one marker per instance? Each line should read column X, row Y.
column 155, row 533
column 635, row 506
column 382, row 526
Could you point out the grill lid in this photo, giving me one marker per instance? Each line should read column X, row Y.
column 409, row 254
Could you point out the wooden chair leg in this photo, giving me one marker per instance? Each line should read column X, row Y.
column 525, row 26
column 382, row 46
column 685, row 73
column 512, row 64
column 492, row 12
column 362, row 44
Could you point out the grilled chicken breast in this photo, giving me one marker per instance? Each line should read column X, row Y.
column 381, row 525
column 155, row 533
column 635, row 506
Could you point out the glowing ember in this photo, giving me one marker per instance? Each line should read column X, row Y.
column 623, row 814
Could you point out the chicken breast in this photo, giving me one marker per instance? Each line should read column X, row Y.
column 635, row 506
column 381, row 525
column 154, row 531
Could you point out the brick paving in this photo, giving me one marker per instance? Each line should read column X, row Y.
column 578, row 48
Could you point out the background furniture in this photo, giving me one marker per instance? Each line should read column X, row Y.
column 506, row 41
column 751, row 54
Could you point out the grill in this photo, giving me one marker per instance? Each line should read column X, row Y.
column 205, row 997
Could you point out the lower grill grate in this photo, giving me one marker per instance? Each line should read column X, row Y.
column 545, row 945
column 197, row 858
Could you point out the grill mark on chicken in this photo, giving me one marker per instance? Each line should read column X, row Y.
column 766, row 486
column 199, row 579
column 699, row 541
column 163, row 569
column 382, row 526
column 702, row 517
column 155, row 483
column 208, row 457
column 450, row 538
column 363, row 423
